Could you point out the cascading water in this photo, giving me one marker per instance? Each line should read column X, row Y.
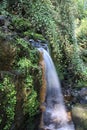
column 55, row 116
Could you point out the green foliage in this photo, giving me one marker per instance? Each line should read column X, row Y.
column 41, row 14
column 31, row 103
column 81, row 8
column 8, row 105
column 23, row 43
column 57, row 24
column 24, row 63
column 71, row 62
column 3, row 4
column 30, row 52
column 3, row 7
column 20, row 23
column 34, row 35
column 82, row 29
column 28, row 64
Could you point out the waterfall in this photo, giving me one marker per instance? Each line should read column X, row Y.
column 54, row 116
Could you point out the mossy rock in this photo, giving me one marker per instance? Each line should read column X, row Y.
column 79, row 113
column 7, row 53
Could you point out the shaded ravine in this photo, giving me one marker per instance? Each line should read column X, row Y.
column 54, row 117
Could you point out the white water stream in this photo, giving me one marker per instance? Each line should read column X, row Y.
column 55, row 116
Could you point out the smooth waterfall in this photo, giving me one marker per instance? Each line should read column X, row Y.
column 55, row 115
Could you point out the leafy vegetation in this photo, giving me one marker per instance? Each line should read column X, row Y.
column 21, row 62
column 8, row 102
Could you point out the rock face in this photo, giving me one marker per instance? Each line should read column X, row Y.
column 79, row 113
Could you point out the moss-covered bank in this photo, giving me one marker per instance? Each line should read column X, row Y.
column 20, row 75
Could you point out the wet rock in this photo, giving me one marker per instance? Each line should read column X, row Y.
column 34, row 43
column 83, row 92
column 2, row 20
column 83, row 96
column 79, row 114
column 75, row 93
column 76, row 96
column 39, row 44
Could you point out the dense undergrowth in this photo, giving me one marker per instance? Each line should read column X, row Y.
column 19, row 74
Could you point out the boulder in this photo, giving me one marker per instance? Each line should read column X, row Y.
column 79, row 114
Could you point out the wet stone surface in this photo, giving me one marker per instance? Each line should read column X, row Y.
column 73, row 96
column 79, row 114
column 76, row 102
column 39, row 44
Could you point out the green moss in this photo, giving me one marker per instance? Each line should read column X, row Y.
column 20, row 23
column 81, row 31
column 8, row 103
column 28, row 64
column 25, row 64
column 34, row 35
column 31, row 103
